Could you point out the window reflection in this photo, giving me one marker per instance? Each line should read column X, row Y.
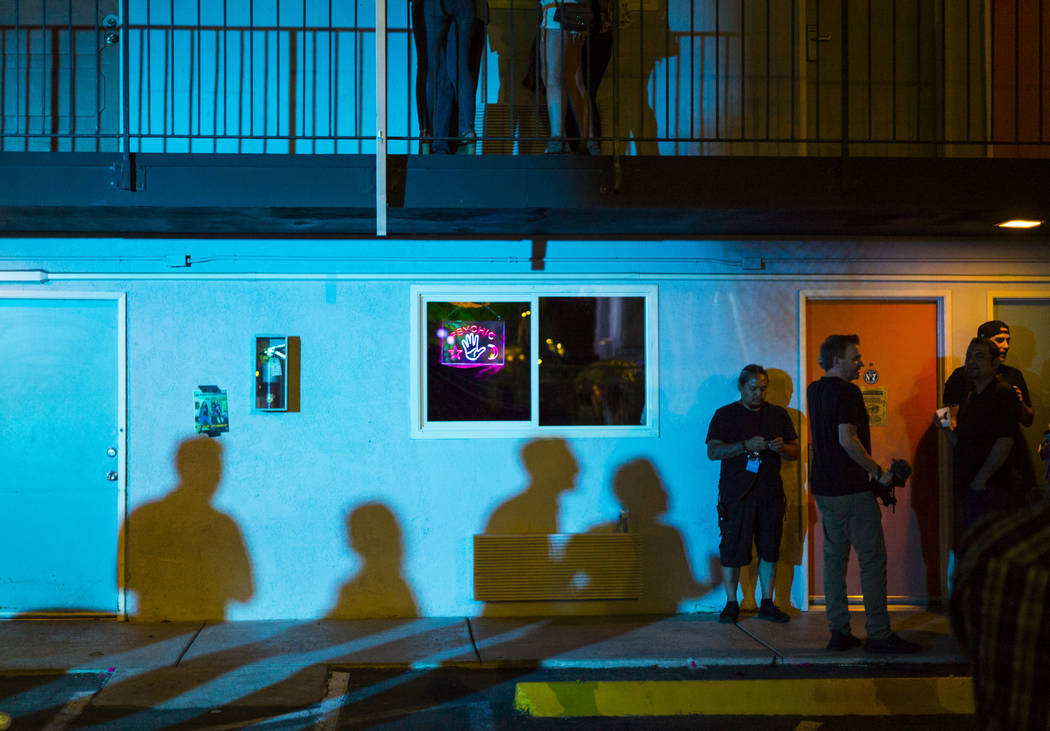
column 592, row 361
column 463, row 383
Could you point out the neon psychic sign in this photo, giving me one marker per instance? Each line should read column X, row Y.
column 471, row 343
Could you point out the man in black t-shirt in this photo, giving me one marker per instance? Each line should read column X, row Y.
column 840, row 481
column 749, row 437
column 959, row 388
column 983, row 437
column 958, row 385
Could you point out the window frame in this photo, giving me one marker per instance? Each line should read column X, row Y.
column 423, row 294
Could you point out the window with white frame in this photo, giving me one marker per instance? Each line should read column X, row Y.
column 518, row 361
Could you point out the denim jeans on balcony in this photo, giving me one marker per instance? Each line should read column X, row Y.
column 450, row 28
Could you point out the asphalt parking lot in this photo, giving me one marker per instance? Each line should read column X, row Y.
column 491, row 698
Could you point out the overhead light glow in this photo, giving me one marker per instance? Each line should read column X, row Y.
column 1019, row 223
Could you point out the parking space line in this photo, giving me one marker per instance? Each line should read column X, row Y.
column 69, row 712
column 810, row 697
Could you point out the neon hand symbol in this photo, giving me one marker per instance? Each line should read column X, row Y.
column 471, row 348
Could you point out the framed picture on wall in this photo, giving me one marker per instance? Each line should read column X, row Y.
column 211, row 413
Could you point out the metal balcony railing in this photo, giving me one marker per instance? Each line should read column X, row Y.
column 667, row 77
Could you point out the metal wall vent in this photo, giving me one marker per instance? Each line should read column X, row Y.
column 557, row 566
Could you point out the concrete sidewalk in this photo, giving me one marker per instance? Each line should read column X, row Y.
column 287, row 663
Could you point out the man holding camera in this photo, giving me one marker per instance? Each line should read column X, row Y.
column 840, row 481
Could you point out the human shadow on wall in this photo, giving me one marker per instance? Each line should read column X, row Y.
column 377, row 591
column 667, row 577
column 796, row 522
column 517, row 631
column 374, row 535
column 379, row 588
column 291, row 659
column 552, row 471
column 924, row 496
column 186, row 560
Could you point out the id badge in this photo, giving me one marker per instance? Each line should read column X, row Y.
column 752, row 464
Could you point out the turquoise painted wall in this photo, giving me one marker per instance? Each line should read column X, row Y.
column 291, row 481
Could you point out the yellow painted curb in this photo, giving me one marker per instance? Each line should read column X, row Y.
column 792, row 697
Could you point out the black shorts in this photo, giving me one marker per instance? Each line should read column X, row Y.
column 755, row 519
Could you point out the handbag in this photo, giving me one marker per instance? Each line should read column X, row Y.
column 575, row 17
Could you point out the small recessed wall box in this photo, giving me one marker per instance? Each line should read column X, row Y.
column 276, row 368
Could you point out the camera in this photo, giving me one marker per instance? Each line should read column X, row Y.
column 901, row 471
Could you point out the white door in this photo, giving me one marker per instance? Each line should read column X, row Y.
column 60, row 455
column 1029, row 321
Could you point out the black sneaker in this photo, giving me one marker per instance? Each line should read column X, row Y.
column 730, row 614
column 891, row 643
column 769, row 612
column 842, row 640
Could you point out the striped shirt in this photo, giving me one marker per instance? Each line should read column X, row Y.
column 1000, row 609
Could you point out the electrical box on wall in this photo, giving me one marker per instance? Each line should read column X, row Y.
column 276, row 386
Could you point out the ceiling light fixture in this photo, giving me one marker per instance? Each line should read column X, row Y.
column 1019, row 223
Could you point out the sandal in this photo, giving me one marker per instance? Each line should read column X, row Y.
column 467, row 145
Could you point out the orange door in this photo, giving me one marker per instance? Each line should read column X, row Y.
column 898, row 341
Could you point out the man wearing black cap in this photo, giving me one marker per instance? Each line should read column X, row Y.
column 959, row 388
column 958, row 385
column 983, row 438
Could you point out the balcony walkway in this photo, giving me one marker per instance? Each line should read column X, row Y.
column 200, row 195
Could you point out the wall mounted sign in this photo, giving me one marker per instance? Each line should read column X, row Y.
column 471, row 343
column 877, row 402
column 871, row 376
column 211, row 413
